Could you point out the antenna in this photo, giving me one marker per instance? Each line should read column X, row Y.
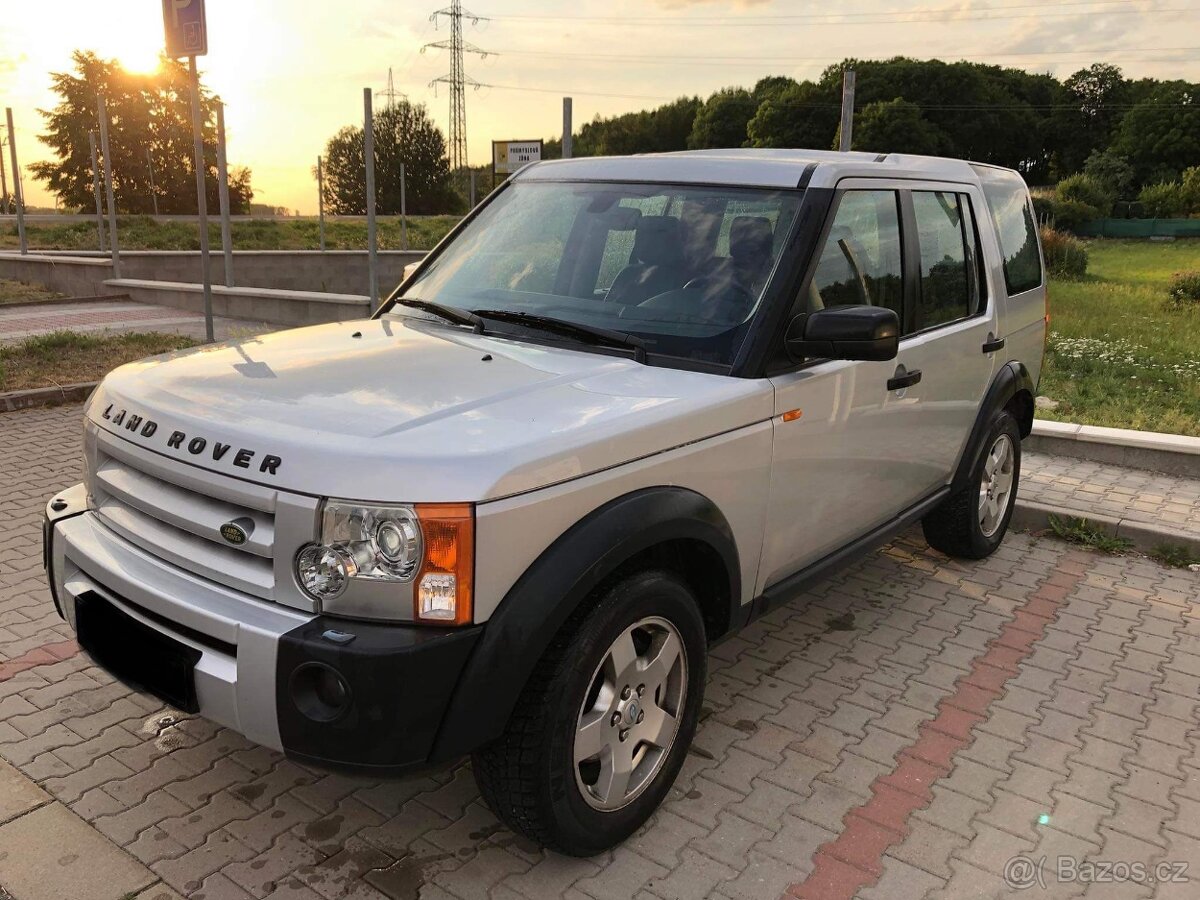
column 458, row 78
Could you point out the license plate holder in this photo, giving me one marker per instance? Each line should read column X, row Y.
column 136, row 654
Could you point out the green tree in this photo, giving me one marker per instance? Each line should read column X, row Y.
column 1160, row 135
column 146, row 113
column 1110, row 169
column 660, row 130
column 805, row 115
column 404, row 133
column 897, row 126
column 1095, row 101
column 721, row 121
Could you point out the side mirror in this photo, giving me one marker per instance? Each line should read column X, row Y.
column 845, row 332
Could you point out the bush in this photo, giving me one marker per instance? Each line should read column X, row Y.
column 1137, row 210
column 1164, row 200
column 1087, row 190
column 1191, row 190
column 1066, row 256
column 1112, row 170
column 1070, row 215
column 1185, row 289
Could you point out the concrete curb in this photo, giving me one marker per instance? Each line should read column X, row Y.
column 59, row 301
column 12, row 401
column 1170, row 454
column 1033, row 516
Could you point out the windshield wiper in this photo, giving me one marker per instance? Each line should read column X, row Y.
column 449, row 313
column 590, row 333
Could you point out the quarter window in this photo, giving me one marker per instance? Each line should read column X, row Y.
column 1012, row 212
column 946, row 274
column 861, row 262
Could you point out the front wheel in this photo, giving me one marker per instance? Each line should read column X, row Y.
column 601, row 730
column 973, row 520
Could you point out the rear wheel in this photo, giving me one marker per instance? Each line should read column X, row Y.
column 973, row 520
column 601, row 730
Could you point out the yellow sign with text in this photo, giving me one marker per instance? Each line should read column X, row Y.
column 511, row 156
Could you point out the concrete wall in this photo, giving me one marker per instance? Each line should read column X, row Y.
column 70, row 275
column 257, row 304
column 335, row 272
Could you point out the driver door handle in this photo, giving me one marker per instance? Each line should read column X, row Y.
column 992, row 346
column 908, row 379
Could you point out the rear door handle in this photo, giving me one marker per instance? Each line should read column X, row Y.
column 908, row 379
column 993, row 346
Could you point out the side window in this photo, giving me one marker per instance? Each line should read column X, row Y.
column 861, row 262
column 1012, row 213
column 946, row 274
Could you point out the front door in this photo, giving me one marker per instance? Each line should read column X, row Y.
column 836, row 466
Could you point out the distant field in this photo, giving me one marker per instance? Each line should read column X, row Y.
column 1118, row 354
column 144, row 233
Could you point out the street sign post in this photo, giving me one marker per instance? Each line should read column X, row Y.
column 186, row 28
column 186, row 31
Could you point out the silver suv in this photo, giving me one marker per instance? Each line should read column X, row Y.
column 625, row 408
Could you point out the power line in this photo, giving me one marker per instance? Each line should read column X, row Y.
column 720, row 61
column 892, row 17
column 458, row 78
column 390, row 92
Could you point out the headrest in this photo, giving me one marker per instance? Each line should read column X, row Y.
column 658, row 241
column 751, row 239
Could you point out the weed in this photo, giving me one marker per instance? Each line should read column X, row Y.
column 1176, row 556
column 1089, row 534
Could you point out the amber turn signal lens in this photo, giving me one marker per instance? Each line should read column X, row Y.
column 445, row 581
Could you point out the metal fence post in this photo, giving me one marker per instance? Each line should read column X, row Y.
column 321, row 203
column 96, row 190
column 568, row 143
column 223, row 191
column 18, row 191
column 847, row 111
column 369, row 158
column 201, row 198
column 403, row 207
column 108, row 188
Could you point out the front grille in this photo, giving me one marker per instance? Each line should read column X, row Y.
column 176, row 515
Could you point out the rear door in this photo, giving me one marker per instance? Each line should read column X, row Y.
column 950, row 334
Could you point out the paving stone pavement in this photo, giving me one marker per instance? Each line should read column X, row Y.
column 20, row 321
column 1131, row 494
column 901, row 731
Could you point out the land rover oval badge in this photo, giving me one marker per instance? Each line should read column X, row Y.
column 238, row 531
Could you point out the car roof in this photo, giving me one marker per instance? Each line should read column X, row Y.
column 751, row 167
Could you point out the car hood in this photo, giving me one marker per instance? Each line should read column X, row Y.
column 403, row 410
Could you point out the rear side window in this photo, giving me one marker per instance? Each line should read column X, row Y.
column 943, row 226
column 1012, row 213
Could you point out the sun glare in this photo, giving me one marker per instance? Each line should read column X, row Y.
column 134, row 42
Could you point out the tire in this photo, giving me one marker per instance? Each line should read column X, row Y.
column 961, row 525
column 529, row 776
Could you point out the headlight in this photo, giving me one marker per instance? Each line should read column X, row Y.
column 428, row 548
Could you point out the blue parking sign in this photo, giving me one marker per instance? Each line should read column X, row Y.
column 185, row 27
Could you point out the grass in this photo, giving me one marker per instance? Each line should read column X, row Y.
column 1081, row 531
column 144, row 233
column 1174, row 555
column 1119, row 354
column 68, row 357
column 12, row 292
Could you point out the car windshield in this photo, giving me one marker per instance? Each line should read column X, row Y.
column 681, row 269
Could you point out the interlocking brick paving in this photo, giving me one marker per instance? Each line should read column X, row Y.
column 1133, row 494
column 924, row 719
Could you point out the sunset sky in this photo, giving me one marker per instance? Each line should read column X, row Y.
column 292, row 71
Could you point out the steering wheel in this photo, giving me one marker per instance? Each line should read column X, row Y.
column 731, row 297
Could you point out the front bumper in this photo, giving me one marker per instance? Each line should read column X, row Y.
column 341, row 694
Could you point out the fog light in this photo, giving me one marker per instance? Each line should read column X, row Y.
column 324, row 572
column 437, row 596
column 320, row 692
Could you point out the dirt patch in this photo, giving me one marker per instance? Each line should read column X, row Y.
column 14, row 292
column 67, row 357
